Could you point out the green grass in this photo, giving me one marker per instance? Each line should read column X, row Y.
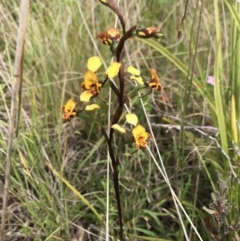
column 195, row 133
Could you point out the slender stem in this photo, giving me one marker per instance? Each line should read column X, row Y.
column 17, row 78
column 117, row 115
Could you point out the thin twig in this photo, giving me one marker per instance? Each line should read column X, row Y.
column 17, row 78
column 207, row 129
column 182, row 21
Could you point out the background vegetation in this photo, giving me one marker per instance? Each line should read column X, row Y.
column 195, row 124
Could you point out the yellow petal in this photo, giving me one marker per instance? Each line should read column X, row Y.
column 92, row 107
column 85, row 96
column 138, row 79
column 71, row 104
column 94, row 63
column 113, row 69
column 118, row 128
column 133, row 71
column 137, row 131
column 132, row 119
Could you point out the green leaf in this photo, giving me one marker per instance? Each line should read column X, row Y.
column 234, row 13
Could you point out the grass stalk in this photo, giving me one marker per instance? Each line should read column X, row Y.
column 16, row 83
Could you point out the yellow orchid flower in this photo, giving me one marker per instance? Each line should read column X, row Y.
column 91, row 82
column 150, row 32
column 110, row 36
column 154, row 83
column 140, row 136
column 68, row 109
column 91, row 85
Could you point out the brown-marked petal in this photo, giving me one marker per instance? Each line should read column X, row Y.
column 90, row 78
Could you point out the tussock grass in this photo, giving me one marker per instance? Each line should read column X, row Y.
column 193, row 135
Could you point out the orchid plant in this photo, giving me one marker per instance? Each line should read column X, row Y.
column 91, row 89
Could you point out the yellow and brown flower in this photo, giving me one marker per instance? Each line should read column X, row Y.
column 91, row 83
column 139, row 133
column 140, row 136
column 91, row 86
column 110, row 36
column 154, row 83
column 68, row 109
column 150, row 32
